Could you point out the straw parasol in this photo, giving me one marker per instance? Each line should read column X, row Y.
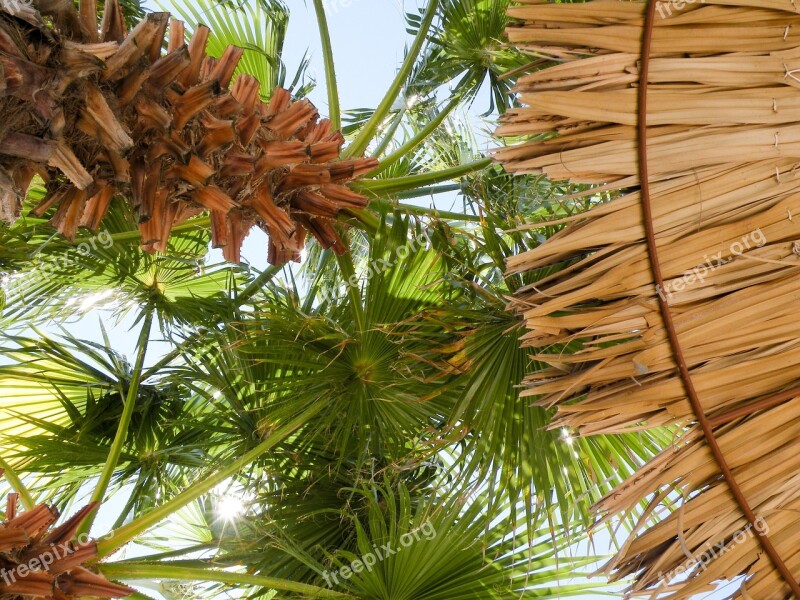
column 675, row 302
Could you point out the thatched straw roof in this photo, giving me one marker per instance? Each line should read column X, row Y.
column 720, row 225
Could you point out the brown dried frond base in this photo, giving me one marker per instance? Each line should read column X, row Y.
column 39, row 562
column 105, row 113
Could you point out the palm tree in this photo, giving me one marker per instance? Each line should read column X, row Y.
column 345, row 405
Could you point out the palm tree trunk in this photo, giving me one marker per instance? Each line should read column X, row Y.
column 103, row 113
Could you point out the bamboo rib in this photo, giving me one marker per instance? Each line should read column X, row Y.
column 723, row 155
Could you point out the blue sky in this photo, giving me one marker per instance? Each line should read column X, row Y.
column 368, row 39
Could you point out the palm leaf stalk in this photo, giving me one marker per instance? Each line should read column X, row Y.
column 161, row 571
column 17, row 484
column 330, row 69
column 368, row 132
column 180, row 139
column 98, row 496
column 126, row 533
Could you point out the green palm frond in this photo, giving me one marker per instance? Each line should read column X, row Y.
column 477, row 345
column 50, row 379
column 446, row 548
column 303, row 511
column 467, row 51
column 61, row 400
column 58, row 278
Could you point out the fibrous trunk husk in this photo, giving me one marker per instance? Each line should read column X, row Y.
column 39, row 561
column 724, row 147
column 104, row 113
